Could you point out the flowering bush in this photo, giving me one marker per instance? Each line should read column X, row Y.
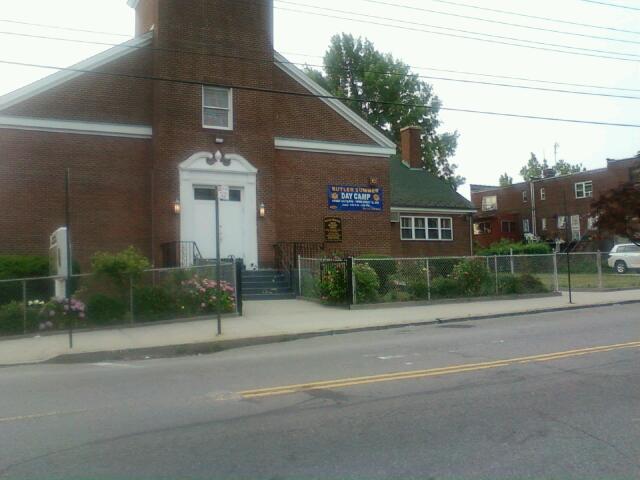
column 472, row 276
column 58, row 312
column 201, row 295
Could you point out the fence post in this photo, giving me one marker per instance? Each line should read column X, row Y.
column 299, row 276
column 513, row 270
column 495, row 264
column 24, row 307
column 351, row 282
column 238, row 267
column 131, row 317
column 428, row 281
column 555, row 271
column 599, row 260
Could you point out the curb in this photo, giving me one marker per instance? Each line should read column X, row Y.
column 170, row 351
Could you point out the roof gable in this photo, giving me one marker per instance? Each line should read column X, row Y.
column 62, row 76
column 339, row 107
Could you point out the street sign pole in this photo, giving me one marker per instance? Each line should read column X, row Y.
column 67, row 222
column 218, row 276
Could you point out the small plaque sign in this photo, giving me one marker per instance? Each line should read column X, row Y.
column 223, row 192
column 333, row 230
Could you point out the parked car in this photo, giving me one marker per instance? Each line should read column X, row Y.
column 624, row 257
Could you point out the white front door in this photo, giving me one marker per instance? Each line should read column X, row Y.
column 199, row 175
column 231, row 222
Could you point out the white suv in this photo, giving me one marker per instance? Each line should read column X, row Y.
column 624, row 256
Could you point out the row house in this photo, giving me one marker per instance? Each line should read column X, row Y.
column 555, row 208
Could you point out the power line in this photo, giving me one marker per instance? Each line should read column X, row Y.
column 486, row 40
column 612, row 5
column 319, row 56
column 498, row 22
column 57, row 27
column 535, row 17
column 383, row 72
column 330, row 97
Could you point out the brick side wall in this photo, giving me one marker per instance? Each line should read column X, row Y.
column 109, row 192
column 302, row 204
column 98, row 98
column 459, row 246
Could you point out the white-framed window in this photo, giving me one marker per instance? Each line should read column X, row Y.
column 481, row 228
column 584, row 189
column 526, row 227
column 525, row 197
column 426, row 228
column 543, row 194
column 591, row 223
column 217, row 108
column 562, row 221
column 544, row 223
column 489, row 203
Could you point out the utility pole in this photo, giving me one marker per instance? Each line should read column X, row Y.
column 567, row 250
column 218, row 276
column 556, row 147
column 67, row 222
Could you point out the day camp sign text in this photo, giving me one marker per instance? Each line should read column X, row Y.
column 354, row 199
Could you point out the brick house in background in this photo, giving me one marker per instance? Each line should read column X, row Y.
column 150, row 127
column 538, row 207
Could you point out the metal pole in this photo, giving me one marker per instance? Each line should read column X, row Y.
column 299, row 276
column 555, row 271
column 131, row 318
column 24, row 307
column 428, row 281
column 218, row 276
column 68, row 247
column 354, row 287
column 599, row 260
column 513, row 270
column 495, row 264
column 566, row 234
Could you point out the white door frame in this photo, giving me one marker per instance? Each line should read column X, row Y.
column 197, row 170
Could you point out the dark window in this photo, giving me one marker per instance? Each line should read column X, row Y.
column 235, row 195
column 204, row 194
column 508, row 227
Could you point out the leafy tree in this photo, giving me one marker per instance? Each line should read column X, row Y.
column 377, row 84
column 565, row 168
column 618, row 212
column 533, row 168
column 505, row 180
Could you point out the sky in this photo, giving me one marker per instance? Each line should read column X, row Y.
column 488, row 145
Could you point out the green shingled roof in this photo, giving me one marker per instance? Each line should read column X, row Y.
column 413, row 188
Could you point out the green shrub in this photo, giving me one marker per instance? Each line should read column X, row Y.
column 333, row 282
column 105, row 310
column 520, row 284
column 472, row 276
column 383, row 265
column 24, row 266
column 532, row 284
column 120, row 267
column 158, row 303
column 395, row 296
column 504, row 247
column 12, row 318
column 443, row 287
column 418, row 288
column 367, row 283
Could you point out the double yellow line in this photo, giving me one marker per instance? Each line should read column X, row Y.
column 433, row 372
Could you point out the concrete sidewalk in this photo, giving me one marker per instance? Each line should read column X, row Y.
column 273, row 321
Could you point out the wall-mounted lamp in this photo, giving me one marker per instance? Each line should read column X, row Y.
column 177, row 208
column 262, row 210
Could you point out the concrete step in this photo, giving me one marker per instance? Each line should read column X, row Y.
column 262, row 274
column 266, row 290
column 270, row 296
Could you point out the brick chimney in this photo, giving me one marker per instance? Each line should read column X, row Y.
column 411, row 146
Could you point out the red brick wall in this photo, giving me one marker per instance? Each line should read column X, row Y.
column 302, row 204
column 109, row 192
column 460, row 245
column 98, row 98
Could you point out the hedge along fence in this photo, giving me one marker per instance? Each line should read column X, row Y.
column 121, row 290
column 505, row 247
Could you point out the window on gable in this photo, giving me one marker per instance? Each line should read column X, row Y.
column 584, row 189
column 489, row 203
column 217, row 108
column 562, row 221
column 543, row 194
column 544, row 224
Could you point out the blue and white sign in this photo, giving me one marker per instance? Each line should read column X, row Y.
column 354, row 199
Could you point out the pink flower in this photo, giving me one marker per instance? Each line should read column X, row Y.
column 81, row 315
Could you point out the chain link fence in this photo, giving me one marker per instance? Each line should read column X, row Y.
column 28, row 305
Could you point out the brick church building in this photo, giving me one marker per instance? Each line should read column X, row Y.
column 199, row 99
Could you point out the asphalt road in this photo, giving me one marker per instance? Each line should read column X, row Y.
column 470, row 400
